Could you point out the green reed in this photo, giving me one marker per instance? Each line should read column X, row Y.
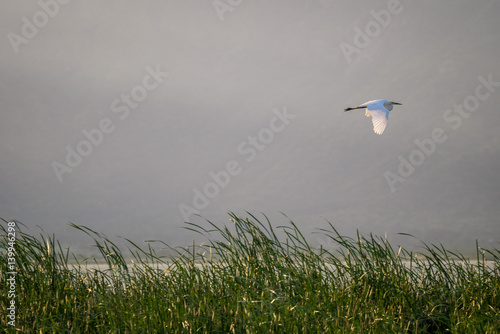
column 251, row 277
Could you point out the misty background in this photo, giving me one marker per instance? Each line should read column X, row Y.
column 231, row 66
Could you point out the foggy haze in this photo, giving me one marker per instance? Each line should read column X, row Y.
column 130, row 118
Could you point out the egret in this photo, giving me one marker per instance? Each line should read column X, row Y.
column 379, row 111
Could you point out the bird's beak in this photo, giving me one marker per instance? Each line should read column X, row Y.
column 397, row 103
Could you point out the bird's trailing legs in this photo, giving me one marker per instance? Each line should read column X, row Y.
column 358, row 107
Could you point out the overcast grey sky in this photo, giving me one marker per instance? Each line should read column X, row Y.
column 128, row 117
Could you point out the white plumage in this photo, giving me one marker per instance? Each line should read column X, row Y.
column 379, row 112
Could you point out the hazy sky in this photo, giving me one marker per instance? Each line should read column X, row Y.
column 128, row 116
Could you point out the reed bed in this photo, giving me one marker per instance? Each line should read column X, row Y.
column 251, row 277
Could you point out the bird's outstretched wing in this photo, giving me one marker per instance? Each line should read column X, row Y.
column 379, row 116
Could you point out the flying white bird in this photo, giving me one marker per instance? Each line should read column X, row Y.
column 379, row 111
